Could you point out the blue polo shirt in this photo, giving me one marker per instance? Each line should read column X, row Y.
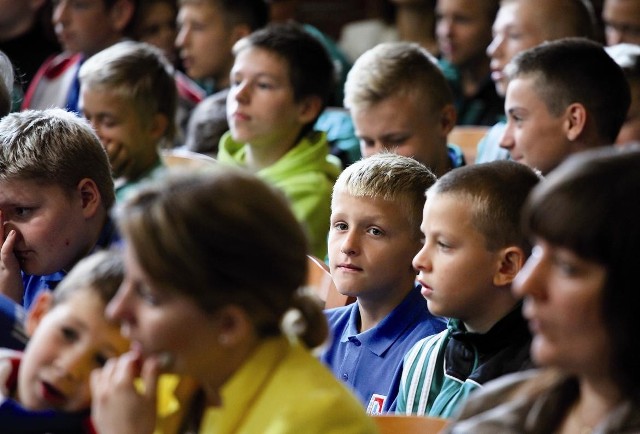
column 34, row 284
column 370, row 363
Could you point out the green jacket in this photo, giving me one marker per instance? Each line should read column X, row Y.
column 305, row 175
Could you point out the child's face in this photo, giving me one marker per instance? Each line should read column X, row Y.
column 455, row 268
column 119, row 127
column 533, row 135
column 563, row 303
column 158, row 27
column 160, row 322
column 404, row 126
column 463, row 30
column 371, row 244
column 260, row 107
column 205, row 41
column 50, row 225
column 71, row 340
column 84, row 26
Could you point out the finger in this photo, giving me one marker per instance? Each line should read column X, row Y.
column 6, row 251
column 150, row 374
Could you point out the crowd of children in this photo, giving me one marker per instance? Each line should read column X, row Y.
column 136, row 297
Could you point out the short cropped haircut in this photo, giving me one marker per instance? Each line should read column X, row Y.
column 138, row 72
column 589, row 205
column 566, row 18
column 54, row 147
column 389, row 177
column 101, row 272
column 253, row 13
column 310, row 68
column 396, row 68
column 497, row 192
column 576, row 70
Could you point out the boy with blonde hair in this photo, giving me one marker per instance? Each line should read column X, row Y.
column 473, row 248
column 56, row 191
column 129, row 95
column 375, row 214
column 400, row 101
column 45, row 389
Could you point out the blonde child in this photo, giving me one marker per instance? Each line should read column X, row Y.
column 129, row 95
column 375, row 215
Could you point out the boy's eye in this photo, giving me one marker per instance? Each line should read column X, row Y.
column 265, row 85
column 376, row 231
column 341, row 226
column 146, row 294
column 69, row 334
column 22, row 211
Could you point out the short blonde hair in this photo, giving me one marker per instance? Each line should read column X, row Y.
column 396, row 68
column 389, row 177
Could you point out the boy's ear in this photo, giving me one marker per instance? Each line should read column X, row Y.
column 159, row 125
column 511, row 261
column 121, row 13
column 309, row 108
column 90, row 197
column 39, row 308
column 575, row 121
column 448, row 117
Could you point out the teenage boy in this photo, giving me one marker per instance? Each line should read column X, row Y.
column 400, row 101
column 473, row 248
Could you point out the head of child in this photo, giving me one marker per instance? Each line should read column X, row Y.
column 55, row 188
column 92, row 25
column 129, row 95
column 281, row 80
column 71, row 336
column 156, row 25
column 628, row 57
column 374, row 232
column 213, row 259
column 557, row 105
column 463, row 30
column 473, row 246
column 215, row 23
column 621, row 21
column 523, row 24
column 400, row 101
column 580, row 285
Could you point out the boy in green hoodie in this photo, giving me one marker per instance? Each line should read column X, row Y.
column 281, row 81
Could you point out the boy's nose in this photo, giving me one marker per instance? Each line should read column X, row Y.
column 507, row 140
column 530, row 280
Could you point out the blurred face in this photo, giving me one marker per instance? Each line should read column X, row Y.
column 630, row 130
column 205, row 42
column 455, row 268
column 71, row 340
column 49, row 224
column 622, row 21
column 402, row 125
column 158, row 27
column 161, row 322
column 371, row 244
column 261, row 109
column 118, row 125
column 86, row 26
column 533, row 136
column 516, row 28
column 563, row 304
column 463, row 30
column 15, row 15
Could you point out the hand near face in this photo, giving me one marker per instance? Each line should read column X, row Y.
column 117, row 405
column 10, row 277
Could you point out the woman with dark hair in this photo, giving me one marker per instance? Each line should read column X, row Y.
column 581, row 298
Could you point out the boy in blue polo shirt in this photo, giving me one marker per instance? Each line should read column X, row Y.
column 374, row 234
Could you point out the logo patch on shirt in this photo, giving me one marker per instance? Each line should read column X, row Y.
column 376, row 403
